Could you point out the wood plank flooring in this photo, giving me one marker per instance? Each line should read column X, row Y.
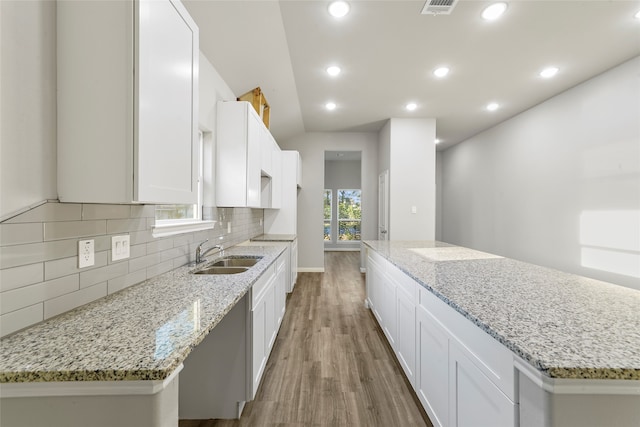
column 331, row 365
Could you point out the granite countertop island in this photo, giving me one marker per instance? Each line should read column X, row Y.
column 274, row 238
column 141, row 333
column 565, row 326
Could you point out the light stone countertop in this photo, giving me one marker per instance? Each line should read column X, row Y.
column 274, row 238
column 141, row 333
column 564, row 325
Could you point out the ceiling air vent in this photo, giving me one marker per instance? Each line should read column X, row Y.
column 438, row 7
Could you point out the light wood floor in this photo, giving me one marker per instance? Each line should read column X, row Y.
column 331, row 365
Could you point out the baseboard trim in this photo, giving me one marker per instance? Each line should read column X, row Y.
column 310, row 270
column 342, row 249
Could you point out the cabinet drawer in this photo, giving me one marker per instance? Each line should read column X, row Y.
column 485, row 352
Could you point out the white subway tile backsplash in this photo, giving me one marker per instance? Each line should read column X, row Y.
column 17, row 234
column 20, row 319
column 91, row 277
column 136, row 251
column 66, row 266
column 157, row 269
column 72, row 229
column 115, row 226
column 67, row 302
column 138, row 237
column 122, row 282
column 39, row 275
column 138, row 211
column 50, row 212
column 13, row 256
column 12, row 278
column 32, row 294
column 144, row 262
column 91, row 211
column 159, row 245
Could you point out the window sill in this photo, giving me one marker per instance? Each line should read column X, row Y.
column 179, row 227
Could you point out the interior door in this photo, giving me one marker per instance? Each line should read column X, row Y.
column 383, row 205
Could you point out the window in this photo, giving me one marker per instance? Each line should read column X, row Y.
column 173, row 219
column 327, row 215
column 349, row 215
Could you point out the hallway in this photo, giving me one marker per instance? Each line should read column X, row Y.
column 331, row 365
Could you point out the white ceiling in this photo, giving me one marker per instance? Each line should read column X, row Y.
column 387, row 51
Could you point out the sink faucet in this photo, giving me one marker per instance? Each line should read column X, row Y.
column 200, row 253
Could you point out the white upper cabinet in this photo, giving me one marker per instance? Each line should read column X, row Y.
column 238, row 156
column 248, row 159
column 127, row 102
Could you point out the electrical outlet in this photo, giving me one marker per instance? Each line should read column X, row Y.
column 86, row 256
column 119, row 247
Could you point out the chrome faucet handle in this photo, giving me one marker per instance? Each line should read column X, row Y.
column 199, row 252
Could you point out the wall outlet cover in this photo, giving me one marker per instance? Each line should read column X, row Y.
column 120, row 247
column 86, row 257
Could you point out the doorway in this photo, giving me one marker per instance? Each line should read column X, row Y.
column 342, row 200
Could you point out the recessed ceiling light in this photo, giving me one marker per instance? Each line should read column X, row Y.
column 494, row 11
column 437, row 141
column 333, row 70
column 330, row 106
column 441, row 72
column 411, row 106
column 339, row 8
column 549, row 72
column 492, row 106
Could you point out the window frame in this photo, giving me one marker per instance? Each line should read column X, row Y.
column 339, row 220
column 168, row 227
column 329, row 192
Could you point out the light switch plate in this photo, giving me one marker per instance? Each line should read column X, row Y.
column 120, row 247
column 86, row 257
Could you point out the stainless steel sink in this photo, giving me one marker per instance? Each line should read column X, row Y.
column 228, row 265
column 236, row 262
column 221, row 270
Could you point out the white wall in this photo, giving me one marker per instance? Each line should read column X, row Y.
column 341, row 175
column 310, row 213
column 558, row 185
column 407, row 149
column 28, row 104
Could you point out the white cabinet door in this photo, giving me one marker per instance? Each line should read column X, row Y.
column 238, row 155
column 298, row 170
column 253, row 158
column 294, row 264
column 281, row 287
column 406, row 334
column 258, row 345
column 474, row 401
column 276, row 178
column 432, row 367
column 388, row 309
column 271, row 329
column 127, row 121
column 167, row 166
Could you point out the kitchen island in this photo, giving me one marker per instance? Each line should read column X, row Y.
column 117, row 360
column 546, row 348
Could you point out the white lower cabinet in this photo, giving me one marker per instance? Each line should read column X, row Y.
column 406, row 334
column 268, row 305
column 461, row 375
column 432, row 367
column 475, row 401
